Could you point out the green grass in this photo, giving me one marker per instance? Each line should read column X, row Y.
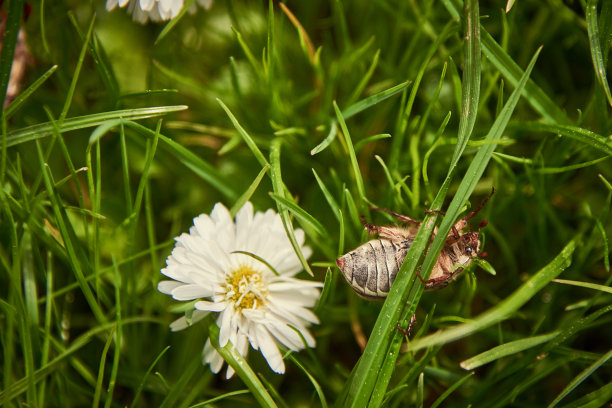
column 122, row 134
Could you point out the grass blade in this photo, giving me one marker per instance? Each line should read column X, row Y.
column 503, row 309
column 355, row 109
column 189, row 159
column 21, row 98
column 242, row 368
column 247, row 138
column 301, row 214
column 249, row 191
column 504, row 350
column 279, row 189
column 42, row 130
column 403, row 290
column 9, row 40
column 351, row 152
column 470, row 92
column 580, row 378
column 591, row 139
column 595, row 46
column 594, row 286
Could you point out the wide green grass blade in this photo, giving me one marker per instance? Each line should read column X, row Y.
column 595, row 45
column 470, row 91
column 242, row 368
column 594, row 286
column 589, row 138
column 46, row 129
column 505, row 350
column 503, row 309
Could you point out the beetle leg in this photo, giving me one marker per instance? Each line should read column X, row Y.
column 402, row 217
column 473, row 213
column 384, row 232
column 418, row 274
column 406, row 331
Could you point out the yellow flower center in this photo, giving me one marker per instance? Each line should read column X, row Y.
column 245, row 288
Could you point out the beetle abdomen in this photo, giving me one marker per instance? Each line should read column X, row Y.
column 371, row 268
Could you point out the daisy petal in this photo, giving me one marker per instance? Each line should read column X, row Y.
column 190, row 292
column 210, row 306
column 270, row 350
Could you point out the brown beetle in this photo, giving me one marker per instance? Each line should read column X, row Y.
column 371, row 268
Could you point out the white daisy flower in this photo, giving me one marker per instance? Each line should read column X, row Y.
column 255, row 305
column 156, row 10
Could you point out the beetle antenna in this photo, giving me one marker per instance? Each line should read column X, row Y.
column 473, row 213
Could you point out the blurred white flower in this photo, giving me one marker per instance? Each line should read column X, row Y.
column 156, row 10
column 255, row 305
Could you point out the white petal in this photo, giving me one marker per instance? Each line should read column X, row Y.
column 205, row 3
column 181, row 323
column 270, row 350
column 212, row 357
column 168, row 286
column 225, row 325
column 147, row 5
column 210, row 306
column 204, row 226
column 111, row 4
column 190, row 292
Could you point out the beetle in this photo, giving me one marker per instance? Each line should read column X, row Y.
column 371, row 268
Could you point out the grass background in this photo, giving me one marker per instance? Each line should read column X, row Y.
column 320, row 109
